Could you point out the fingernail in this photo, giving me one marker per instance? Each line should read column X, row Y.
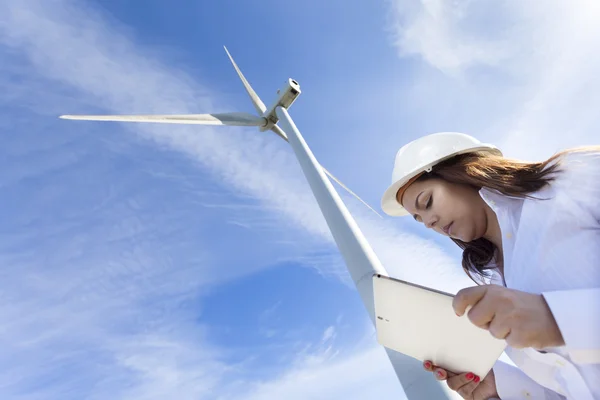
column 476, row 380
column 440, row 373
column 470, row 376
column 427, row 364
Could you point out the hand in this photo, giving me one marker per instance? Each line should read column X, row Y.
column 467, row 385
column 522, row 319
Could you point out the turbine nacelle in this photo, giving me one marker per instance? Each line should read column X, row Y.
column 285, row 98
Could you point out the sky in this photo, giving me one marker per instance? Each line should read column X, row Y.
column 142, row 261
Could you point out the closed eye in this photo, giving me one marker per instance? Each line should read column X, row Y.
column 429, row 202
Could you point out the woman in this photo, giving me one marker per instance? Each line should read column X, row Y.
column 530, row 234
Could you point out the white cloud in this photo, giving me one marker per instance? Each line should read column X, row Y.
column 441, row 32
column 120, row 77
column 328, row 334
column 78, row 305
column 361, row 372
column 533, row 66
column 365, row 375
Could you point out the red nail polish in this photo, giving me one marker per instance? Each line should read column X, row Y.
column 470, row 376
column 427, row 365
column 476, row 380
column 440, row 374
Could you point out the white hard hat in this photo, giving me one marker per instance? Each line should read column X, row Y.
column 421, row 155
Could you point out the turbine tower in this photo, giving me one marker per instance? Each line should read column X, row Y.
column 360, row 259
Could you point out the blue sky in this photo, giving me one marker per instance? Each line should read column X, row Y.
column 145, row 261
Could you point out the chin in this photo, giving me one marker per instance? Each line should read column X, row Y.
column 461, row 239
column 472, row 238
column 467, row 238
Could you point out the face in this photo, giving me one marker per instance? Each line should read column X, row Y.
column 451, row 209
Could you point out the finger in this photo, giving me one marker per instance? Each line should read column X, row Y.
column 466, row 391
column 482, row 313
column 441, row 374
column 499, row 328
column 467, row 297
column 458, row 381
column 428, row 365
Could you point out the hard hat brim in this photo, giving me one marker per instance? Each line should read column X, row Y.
column 389, row 203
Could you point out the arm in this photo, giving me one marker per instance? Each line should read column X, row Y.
column 577, row 314
column 577, row 311
column 513, row 384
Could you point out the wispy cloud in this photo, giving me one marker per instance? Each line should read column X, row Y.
column 322, row 371
column 365, row 374
column 528, row 72
column 328, row 334
column 451, row 36
column 122, row 78
column 100, row 284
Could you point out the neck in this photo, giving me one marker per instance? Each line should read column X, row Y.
column 493, row 233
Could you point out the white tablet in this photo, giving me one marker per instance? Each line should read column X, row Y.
column 420, row 322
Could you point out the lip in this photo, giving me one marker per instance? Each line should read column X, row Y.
column 446, row 229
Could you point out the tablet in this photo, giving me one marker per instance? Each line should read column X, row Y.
column 420, row 322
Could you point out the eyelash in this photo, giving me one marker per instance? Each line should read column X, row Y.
column 427, row 206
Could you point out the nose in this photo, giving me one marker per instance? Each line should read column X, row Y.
column 431, row 221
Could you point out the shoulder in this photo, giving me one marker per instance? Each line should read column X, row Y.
column 578, row 170
column 584, row 161
column 577, row 181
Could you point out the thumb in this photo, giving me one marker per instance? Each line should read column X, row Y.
column 467, row 297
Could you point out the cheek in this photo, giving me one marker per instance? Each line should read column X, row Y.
column 466, row 215
column 451, row 208
column 475, row 223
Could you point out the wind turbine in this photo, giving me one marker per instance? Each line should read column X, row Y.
column 360, row 259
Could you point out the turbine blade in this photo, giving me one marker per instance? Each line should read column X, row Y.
column 236, row 119
column 258, row 104
column 283, row 135
column 280, row 132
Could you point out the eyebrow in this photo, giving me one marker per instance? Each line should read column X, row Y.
column 417, row 206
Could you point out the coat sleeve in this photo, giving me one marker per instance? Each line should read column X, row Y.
column 577, row 314
column 577, row 311
column 513, row 384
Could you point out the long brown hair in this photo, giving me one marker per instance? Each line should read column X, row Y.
column 508, row 176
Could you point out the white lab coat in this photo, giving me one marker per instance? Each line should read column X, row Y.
column 552, row 247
